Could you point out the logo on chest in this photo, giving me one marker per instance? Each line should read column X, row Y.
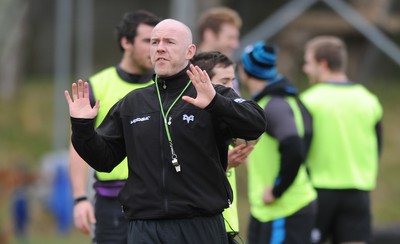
column 188, row 118
column 134, row 121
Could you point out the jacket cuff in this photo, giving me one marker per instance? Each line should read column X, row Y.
column 212, row 103
column 82, row 128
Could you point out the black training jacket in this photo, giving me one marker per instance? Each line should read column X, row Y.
column 134, row 127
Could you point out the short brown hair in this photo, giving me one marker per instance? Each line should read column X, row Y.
column 213, row 19
column 329, row 48
column 209, row 60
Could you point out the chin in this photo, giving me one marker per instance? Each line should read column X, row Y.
column 161, row 72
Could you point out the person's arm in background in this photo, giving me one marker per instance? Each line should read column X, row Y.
column 83, row 209
column 282, row 126
column 378, row 130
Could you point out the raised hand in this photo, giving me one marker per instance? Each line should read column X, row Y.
column 204, row 88
column 79, row 105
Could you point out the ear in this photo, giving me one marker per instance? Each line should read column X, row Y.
column 191, row 51
column 242, row 74
column 208, row 35
column 323, row 63
column 125, row 43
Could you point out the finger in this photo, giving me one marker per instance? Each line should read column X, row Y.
column 79, row 224
column 74, row 90
column 67, row 96
column 189, row 99
column 206, row 77
column 86, row 89
column 198, row 74
column 80, row 89
column 92, row 218
column 202, row 75
column 85, row 227
column 240, row 147
column 195, row 70
column 191, row 76
column 97, row 106
column 248, row 148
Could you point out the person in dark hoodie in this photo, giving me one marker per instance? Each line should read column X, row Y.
column 282, row 199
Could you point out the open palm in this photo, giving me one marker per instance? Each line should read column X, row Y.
column 203, row 86
column 79, row 104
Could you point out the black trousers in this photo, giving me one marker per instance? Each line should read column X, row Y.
column 197, row 230
column 111, row 225
column 293, row 229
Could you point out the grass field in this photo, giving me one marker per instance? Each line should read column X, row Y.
column 26, row 127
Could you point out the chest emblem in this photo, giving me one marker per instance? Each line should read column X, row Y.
column 188, row 118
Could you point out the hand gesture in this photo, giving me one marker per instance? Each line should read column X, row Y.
column 204, row 88
column 238, row 155
column 79, row 106
column 84, row 216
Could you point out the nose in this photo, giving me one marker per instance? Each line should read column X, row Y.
column 160, row 47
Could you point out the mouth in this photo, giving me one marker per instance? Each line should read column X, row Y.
column 161, row 59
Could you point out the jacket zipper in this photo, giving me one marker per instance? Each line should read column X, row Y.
column 163, row 175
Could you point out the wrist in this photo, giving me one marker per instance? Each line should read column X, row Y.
column 80, row 199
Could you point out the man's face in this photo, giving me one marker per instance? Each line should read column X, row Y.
column 170, row 49
column 223, row 76
column 140, row 50
column 311, row 67
column 227, row 40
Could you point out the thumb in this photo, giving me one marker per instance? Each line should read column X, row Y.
column 188, row 99
column 92, row 218
column 97, row 106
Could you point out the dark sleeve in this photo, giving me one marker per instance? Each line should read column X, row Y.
column 282, row 126
column 378, row 130
column 308, row 127
column 103, row 148
column 291, row 150
column 244, row 118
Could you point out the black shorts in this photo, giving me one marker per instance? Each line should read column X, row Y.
column 343, row 216
column 293, row 229
column 196, row 230
column 111, row 225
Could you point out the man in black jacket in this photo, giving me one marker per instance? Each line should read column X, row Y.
column 173, row 133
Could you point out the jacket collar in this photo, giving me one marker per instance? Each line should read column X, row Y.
column 176, row 81
column 279, row 87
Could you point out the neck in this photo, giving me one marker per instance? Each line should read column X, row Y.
column 204, row 47
column 334, row 76
column 128, row 66
column 255, row 85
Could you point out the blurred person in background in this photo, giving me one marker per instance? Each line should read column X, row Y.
column 221, row 71
column 344, row 153
column 173, row 133
column 281, row 196
column 219, row 30
column 110, row 85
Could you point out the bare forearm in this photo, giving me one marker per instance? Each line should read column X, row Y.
column 78, row 173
